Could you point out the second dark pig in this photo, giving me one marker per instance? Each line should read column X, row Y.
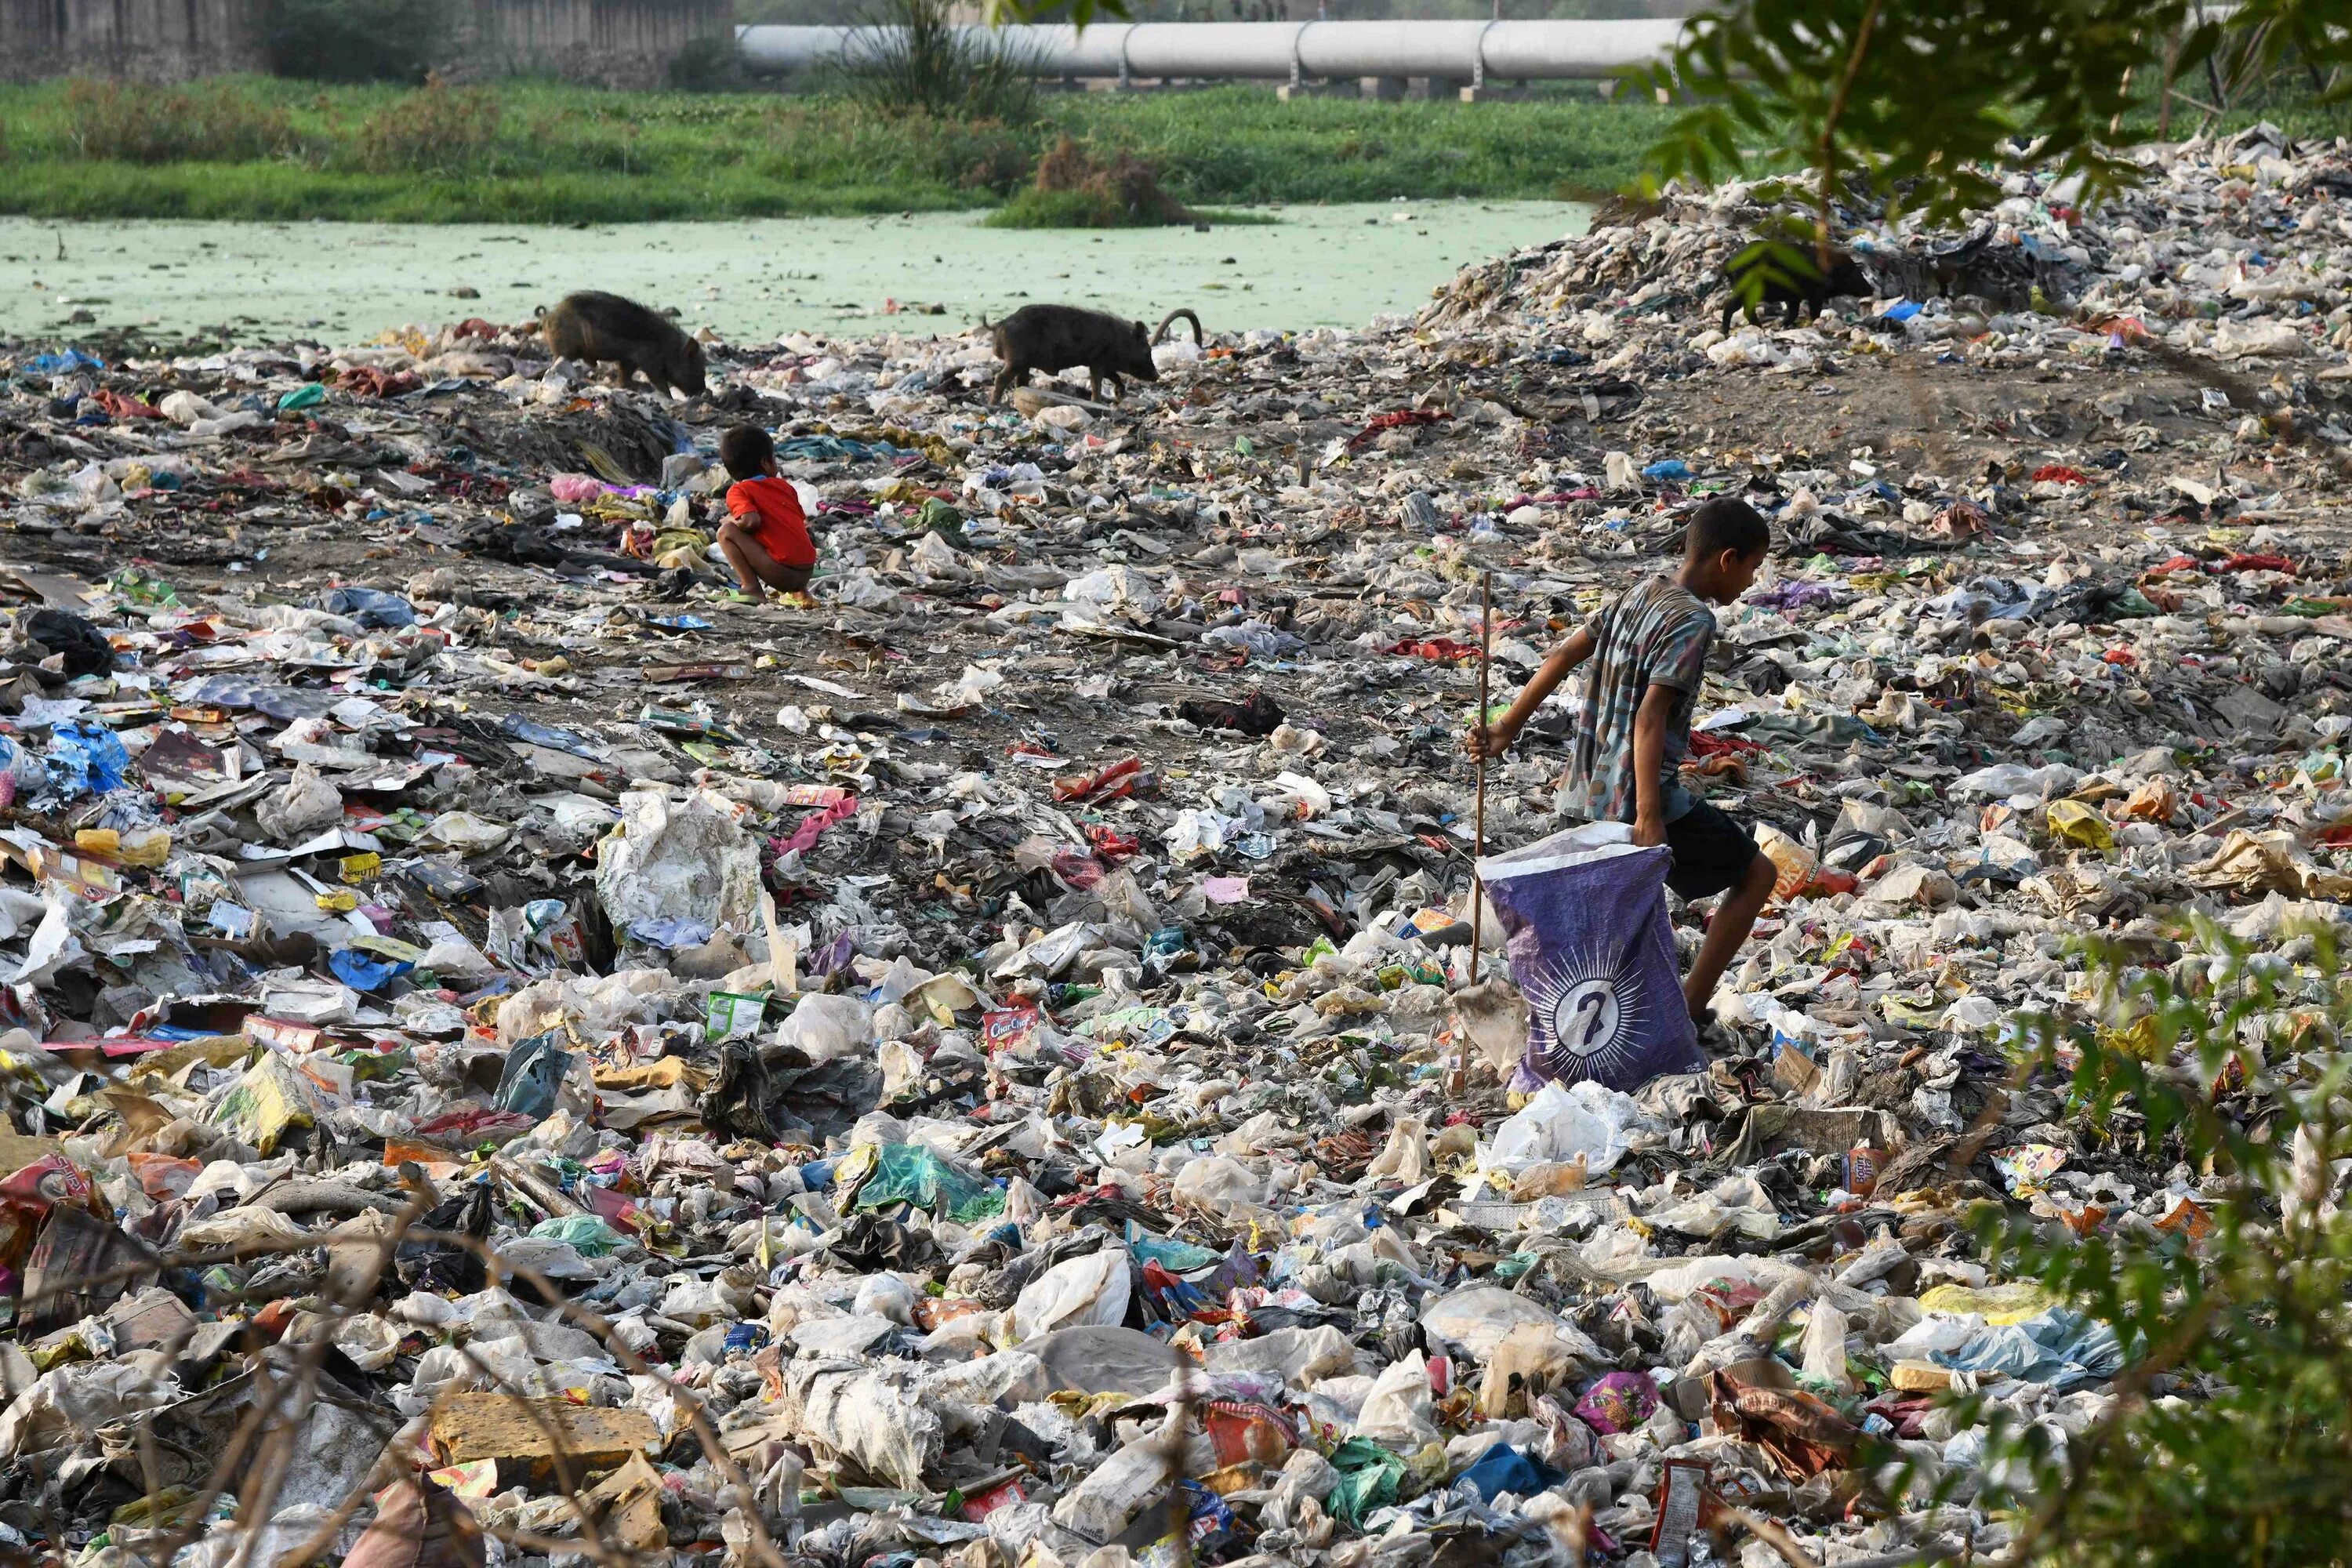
column 1785, row 286
column 1056, row 337
column 605, row 328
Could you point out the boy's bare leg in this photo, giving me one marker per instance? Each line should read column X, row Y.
column 756, row 569
column 738, row 548
column 1734, row 918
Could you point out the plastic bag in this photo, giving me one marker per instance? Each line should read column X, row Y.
column 1618, row 1402
column 1477, row 1318
column 532, row 1073
column 79, row 645
column 1562, row 1124
column 86, row 759
column 1089, row 1289
column 308, row 803
column 270, row 1097
column 689, row 862
column 1224, row 1191
column 850, row 1412
column 823, row 1028
column 585, row 1234
column 1591, row 948
column 1503, row 1468
column 1794, row 864
column 370, row 607
column 1398, row 1410
column 2079, row 824
column 1405, row 1158
column 79, row 1264
column 913, row 1173
column 2010, row 780
column 735, row 1106
column 1106, row 1500
column 435, row 1265
column 1370, row 1478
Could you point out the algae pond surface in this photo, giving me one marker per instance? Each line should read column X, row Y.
column 344, row 282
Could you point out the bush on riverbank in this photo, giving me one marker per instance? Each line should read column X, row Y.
column 1078, row 188
column 128, row 122
column 437, row 130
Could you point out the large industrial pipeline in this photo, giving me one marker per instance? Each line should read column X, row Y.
column 1466, row 53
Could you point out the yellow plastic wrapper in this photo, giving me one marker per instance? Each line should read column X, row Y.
column 2011, row 1303
column 2078, row 823
column 270, row 1097
column 2138, row 1038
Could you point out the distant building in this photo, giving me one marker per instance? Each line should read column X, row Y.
column 153, row 40
column 622, row 43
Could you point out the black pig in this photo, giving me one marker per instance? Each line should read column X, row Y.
column 606, row 329
column 1845, row 276
column 1054, row 337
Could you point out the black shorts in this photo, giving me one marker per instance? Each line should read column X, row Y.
column 1712, row 852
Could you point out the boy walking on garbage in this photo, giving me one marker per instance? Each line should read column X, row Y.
column 765, row 537
column 1647, row 648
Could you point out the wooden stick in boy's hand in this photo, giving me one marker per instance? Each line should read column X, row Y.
column 1478, row 828
column 1477, row 1001
column 1648, row 650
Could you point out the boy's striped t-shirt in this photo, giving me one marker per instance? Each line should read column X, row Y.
column 1655, row 634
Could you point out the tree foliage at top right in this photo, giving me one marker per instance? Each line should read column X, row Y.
column 1926, row 103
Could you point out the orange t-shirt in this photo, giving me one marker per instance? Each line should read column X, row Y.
column 783, row 527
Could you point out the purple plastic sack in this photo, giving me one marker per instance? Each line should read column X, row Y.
column 1591, row 952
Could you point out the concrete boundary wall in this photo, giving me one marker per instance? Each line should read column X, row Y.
column 147, row 40
column 619, row 43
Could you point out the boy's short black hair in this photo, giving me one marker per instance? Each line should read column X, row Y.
column 745, row 449
column 1725, row 523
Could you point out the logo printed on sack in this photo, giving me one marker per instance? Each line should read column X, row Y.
column 1585, row 916
column 1584, row 1015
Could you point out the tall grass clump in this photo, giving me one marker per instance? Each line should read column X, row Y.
column 914, row 58
column 1076, row 188
column 437, row 130
column 132, row 123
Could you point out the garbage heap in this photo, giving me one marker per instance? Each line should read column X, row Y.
column 513, row 1055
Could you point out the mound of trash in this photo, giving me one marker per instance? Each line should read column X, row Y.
column 2225, row 249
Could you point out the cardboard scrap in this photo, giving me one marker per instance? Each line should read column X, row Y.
column 468, row 1427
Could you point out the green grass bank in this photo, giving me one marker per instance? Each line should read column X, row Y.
column 257, row 148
